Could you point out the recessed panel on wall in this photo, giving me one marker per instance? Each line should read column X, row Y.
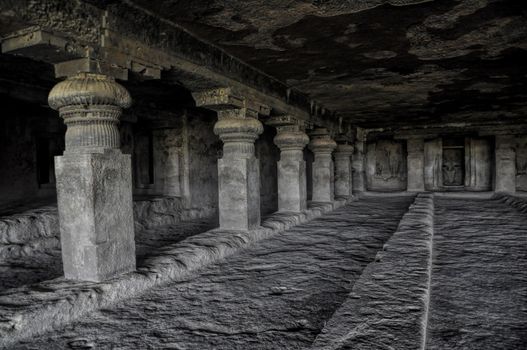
column 386, row 166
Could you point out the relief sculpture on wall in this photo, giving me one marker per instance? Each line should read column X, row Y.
column 453, row 174
column 388, row 159
column 386, row 168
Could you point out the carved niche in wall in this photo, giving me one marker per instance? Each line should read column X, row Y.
column 386, row 165
column 521, row 164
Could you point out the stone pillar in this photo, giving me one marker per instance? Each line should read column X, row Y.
column 94, row 182
column 323, row 171
column 505, row 177
column 415, row 164
column 292, row 190
column 343, row 172
column 359, row 181
column 238, row 169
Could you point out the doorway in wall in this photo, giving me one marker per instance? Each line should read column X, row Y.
column 453, row 163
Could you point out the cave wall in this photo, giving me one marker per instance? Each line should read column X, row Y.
column 30, row 136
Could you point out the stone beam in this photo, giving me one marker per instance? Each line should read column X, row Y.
column 127, row 36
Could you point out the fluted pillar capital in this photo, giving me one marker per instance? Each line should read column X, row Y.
column 344, row 150
column 91, row 105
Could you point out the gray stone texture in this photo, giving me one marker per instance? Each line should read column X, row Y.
column 93, row 179
column 32, row 310
column 505, row 163
column 479, row 284
column 388, row 305
column 323, row 169
column 238, row 171
column 274, row 295
column 95, row 245
column 386, row 165
column 343, row 171
column 415, row 164
column 292, row 188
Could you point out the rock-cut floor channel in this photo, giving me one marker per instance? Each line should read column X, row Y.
column 277, row 294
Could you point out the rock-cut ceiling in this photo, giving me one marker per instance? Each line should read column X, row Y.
column 378, row 62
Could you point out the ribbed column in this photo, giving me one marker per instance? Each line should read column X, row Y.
column 238, row 170
column 322, row 147
column 505, row 177
column 94, row 181
column 292, row 190
column 415, row 164
column 343, row 172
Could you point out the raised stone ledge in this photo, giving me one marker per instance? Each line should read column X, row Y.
column 37, row 230
column 388, row 306
column 35, row 309
column 513, row 201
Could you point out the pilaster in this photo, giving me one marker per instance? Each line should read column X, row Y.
column 415, row 164
column 505, row 176
column 94, row 182
column 323, row 169
column 359, row 175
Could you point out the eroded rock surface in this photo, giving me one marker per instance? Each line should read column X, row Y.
column 275, row 295
column 479, row 280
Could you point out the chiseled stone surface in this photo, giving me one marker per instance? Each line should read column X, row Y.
column 479, row 280
column 275, row 295
column 31, row 310
column 387, row 307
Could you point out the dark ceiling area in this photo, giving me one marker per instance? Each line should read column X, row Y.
column 378, row 62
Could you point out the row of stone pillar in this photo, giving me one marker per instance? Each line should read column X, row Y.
column 94, row 185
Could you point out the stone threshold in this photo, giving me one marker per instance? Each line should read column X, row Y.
column 461, row 194
column 388, row 305
column 34, row 309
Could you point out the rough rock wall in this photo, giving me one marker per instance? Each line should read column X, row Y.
column 268, row 155
column 22, row 127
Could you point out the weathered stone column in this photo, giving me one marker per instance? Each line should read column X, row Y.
column 505, row 179
column 238, row 170
column 415, row 164
column 359, row 175
column 291, row 139
column 343, row 171
column 323, row 169
column 94, row 182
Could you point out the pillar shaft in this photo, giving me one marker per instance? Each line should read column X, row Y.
column 238, row 170
column 359, row 182
column 323, row 169
column 505, row 178
column 415, row 164
column 94, row 182
column 292, row 190
column 343, row 172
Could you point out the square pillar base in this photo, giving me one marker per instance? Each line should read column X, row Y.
column 239, row 193
column 292, row 190
column 323, row 177
column 94, row 193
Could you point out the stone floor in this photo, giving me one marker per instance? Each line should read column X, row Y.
column 276, row 295
column 479, row 277
column 44, row 265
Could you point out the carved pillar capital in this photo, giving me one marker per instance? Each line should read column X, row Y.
column 344, row 150
column 321, row 142
column 91, row 105
column 238, row 132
